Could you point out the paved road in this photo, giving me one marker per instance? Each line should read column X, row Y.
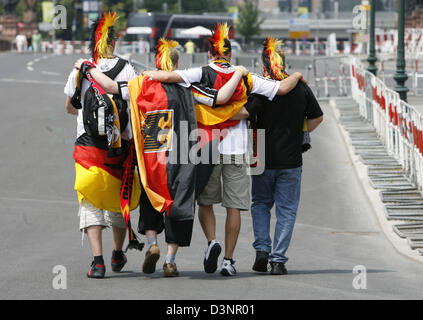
column 336, row 229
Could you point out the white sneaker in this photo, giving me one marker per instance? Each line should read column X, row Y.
column 228, row 268
column 211, row 255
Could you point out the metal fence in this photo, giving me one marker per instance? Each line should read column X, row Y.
column 331, row 78
column 398, row 124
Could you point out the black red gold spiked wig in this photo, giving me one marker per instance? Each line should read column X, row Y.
column 164, row 55
column 219, row 41
column 273, row 58
column 102, row 35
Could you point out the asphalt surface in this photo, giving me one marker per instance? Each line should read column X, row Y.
column 336, row 229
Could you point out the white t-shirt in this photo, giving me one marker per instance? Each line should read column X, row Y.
column 236, row 141
column 21, row 39
column 104, row 65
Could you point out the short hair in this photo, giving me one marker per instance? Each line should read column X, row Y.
column 174, row 56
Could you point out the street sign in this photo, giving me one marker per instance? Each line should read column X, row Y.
column 298, row 28
column 48, row 11
column 90, row 9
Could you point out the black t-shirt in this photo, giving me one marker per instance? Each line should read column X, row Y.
column 283, row 120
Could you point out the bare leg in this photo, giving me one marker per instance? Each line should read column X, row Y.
column 150, row 234
column 118, row 238
column 232, row 228
column 95, row 238
column 207, row 221
column 172, row 249
column 169, row 268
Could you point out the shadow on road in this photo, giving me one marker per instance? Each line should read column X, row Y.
column 333, row 271
column 195, row 275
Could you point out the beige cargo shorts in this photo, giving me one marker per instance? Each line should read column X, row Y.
column 89, row 216
column 229, row 184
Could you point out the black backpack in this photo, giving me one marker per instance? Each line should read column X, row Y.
column 98, row 108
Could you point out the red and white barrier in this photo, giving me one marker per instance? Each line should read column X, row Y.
column 398, row 124
column 62, row 47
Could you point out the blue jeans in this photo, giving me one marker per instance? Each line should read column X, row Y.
column 283, row 187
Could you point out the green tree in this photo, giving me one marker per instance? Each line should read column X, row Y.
column 216, row 6
column 123, row 8
column 249, row 20
column 157, row 5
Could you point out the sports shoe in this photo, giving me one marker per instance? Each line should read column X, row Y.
column 151, row 258
column 118, row 264
column 278, row 268
column 228, row 268
column 262, row 259
column 170, row 270
column 211, row 256
column 97, row 271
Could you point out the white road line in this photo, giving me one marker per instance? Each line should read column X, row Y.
column 50, row 73
column 39, row 200
column 32, row 81
column 29, row 65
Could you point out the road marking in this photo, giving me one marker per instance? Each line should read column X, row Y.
column 39, row 200
column 32, row 81
column 49, row 73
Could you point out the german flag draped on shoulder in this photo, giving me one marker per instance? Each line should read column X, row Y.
column 163, row 118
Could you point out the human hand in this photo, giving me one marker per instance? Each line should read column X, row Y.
column 78, row 64
column 300, row 76
column 149, row 73
column 243, row 70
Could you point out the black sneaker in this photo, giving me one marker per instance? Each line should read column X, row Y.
column 262, row 259
column 118, row 264
column 278, row 268
column 211, row 256
column 97, row 271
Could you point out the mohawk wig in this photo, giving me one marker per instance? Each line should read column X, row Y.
column 273, row 58
column 165, row 59
column 219, row 41
column 102, row 34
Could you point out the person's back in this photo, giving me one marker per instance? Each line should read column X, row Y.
column 280, row 183
column 283, row 119
column 99, row 177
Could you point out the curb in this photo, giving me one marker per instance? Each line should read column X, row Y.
column 372, row 195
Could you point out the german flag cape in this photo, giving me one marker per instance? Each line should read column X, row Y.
column 162, row 117
column 102, row 179
column 215, row 75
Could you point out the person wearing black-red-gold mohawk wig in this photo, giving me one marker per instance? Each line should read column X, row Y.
column 280, row 184
column 99, row 185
